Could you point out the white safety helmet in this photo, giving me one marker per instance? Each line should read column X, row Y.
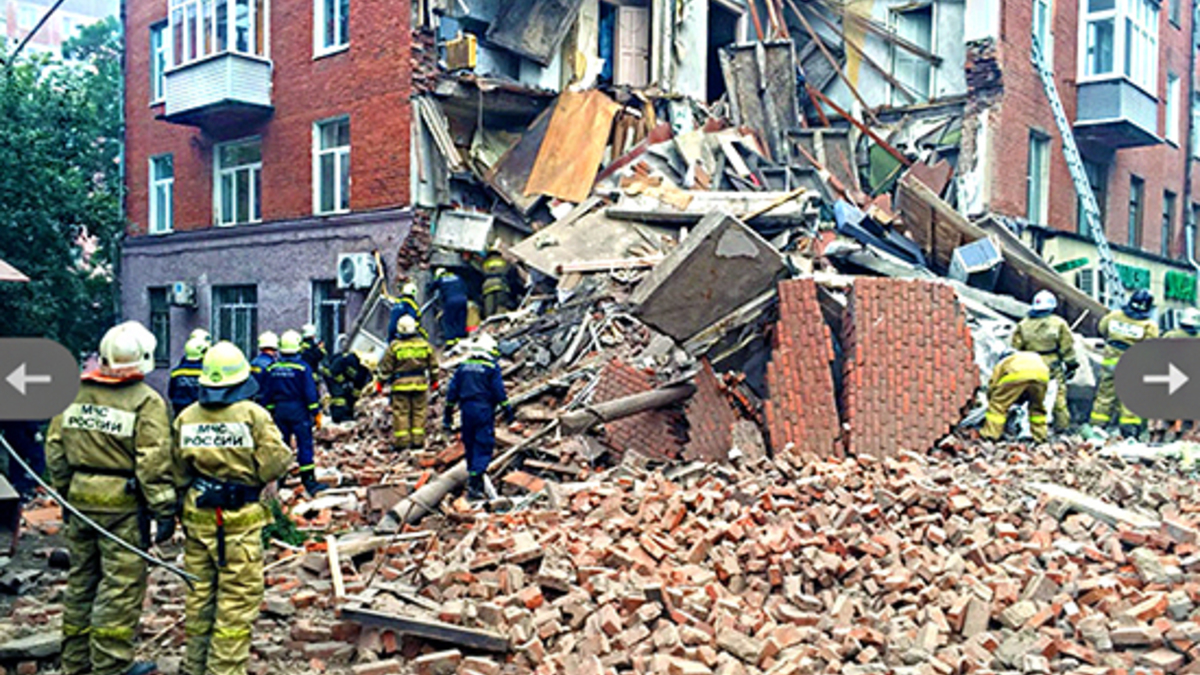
column 308, row 331
column 409, row 288
column 406, row 325
column 1044, row 301
column 268, row 340
column 127, row 348
column 1190, row 317
column 202, row 335
column 483, row 345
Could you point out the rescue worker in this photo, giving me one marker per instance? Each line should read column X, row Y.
column 406, row 306
column 109, row 453
column 184, row 386
column 1048, row 334
column 478, row 388
column 344, row 376
column 1121, row 329
column 312, row 349
column 22, row 435
column 1189, row 327
column 226, row 450
column 1019, row 377
column 451, row 293
column 268, row 353
column 410, row 368
column 202, row 335
column 291, row 397
column 497, row 291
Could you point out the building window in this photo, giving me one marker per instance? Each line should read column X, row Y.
column 914, row 72
column 159, row 48
column 235, row 315
column 1173, row 12
column 1136, row 201
column 331, row 166
column 1168, row 217
column 201, row 28
column 160, row 325
column 328, row 311
column 332, row 25
column 1171, row 111
column 239, row 182
column 1121, row 37
column 1097, row 174
column 162, row 194
column 1043, row 31
column 1037, row 179
column 27, row 17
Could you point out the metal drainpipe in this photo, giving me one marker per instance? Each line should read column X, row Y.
column 1189, row 239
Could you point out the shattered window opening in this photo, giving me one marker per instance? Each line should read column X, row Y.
column 914, row 72
column 160, row 325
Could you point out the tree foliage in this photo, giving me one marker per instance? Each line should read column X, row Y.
column 60, row 189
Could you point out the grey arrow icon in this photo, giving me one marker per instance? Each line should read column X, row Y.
column 20, row 380
column 1174, row 379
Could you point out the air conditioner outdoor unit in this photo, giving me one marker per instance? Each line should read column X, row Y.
column 183, row 294
column 356, row 270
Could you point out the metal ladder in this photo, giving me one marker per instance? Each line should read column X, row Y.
column 1091, row 211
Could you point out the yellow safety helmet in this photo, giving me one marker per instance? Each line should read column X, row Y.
column 409, row 288
column 127, row 347
column 195, row 348
column 289, row 342
column 202, row 335
column 224, row 366
column 406, row 325
column 268, row 340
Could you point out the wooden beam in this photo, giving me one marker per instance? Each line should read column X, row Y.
column 864, row 128
column 429, row 629
column 754, row 17
column 908, row 93
column 832, row 61
column 335, row 567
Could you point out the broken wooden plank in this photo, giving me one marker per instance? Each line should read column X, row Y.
column 335, row 567
column 429, row 629
column 832, row 61
column 573, row 148
column 1097, row 508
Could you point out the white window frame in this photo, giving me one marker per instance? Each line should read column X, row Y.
column 1172, row 122
column 157, row 224
column 893, row 19
column 1142, row 17
column 160, row 61
column 254, row 169
column 341, row 155
column 190, row 15
column 320, row 20
column 1042, row 179
column 1046, row 38
column 24, row 11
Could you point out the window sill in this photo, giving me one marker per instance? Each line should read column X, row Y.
column 239, row 224
column 325, row 214
column 157, row 102
column 332, row 51
column 160, row 233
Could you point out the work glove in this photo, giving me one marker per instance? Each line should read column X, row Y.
column 378, row 387
column 164, row 528
column 510, row 414
column 318, row 420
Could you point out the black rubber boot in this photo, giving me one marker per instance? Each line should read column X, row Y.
column 1130, row 431
column 311, row 485
column 475, row 492
column 142, row 668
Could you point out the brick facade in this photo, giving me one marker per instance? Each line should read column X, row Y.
column 1022, row 107
column 654, row 433
column 909, row 372
column 710, row 419
column 369, row 82
column 802, row 408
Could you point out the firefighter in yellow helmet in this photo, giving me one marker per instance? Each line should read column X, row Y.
column 1019, row 377
column 1121, row 329
column 226, row 450
column 497, row 286
column 1048, row 334
column 109, row 453
column 410, row 367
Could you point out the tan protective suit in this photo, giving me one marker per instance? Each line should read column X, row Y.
column 410, row 366
column 1020, row 378
column 236, row 445
column 1120, row 332
column 1050, row 336
column 109, row 454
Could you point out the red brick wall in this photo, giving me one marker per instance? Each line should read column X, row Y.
column 1023, row 106
column 909, row 369
column 710, row 419
column 652, row 433
column 369, row 82
column 801, row 408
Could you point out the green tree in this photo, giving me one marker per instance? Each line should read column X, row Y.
column 60, row 189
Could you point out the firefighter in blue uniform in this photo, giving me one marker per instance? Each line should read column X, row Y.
column 312, row 350
column 451, row 292
column 184, row 387
column 407, row 305
column 268, row 353
column 291, row 397
column 478, row 388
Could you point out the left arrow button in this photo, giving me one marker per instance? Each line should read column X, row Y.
column 20, row 380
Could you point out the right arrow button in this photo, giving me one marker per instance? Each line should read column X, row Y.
column 1174, row 379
